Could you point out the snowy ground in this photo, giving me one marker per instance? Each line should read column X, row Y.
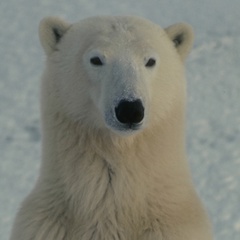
column 213, row 71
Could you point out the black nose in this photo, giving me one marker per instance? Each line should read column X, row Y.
column 130, row 112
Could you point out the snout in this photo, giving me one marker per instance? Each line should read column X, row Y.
column 130, row 113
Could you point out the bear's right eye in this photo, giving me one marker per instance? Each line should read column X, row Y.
column 96, row 61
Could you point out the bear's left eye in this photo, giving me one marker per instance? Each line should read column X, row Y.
column 96, row 61
column 151, row 62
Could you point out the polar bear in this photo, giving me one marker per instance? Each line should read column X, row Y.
column 113, row 157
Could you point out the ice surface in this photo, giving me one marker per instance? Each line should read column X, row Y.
column 213, row 117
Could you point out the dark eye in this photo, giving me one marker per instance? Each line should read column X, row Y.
column 96, row 61
column 151, row 62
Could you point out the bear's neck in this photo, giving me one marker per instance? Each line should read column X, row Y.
column 64, row 134
column 89, row 164
column 64, row 139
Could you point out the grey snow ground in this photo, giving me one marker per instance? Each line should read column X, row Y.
column 213, row 116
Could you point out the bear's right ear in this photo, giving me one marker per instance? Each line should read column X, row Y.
column 51, row 30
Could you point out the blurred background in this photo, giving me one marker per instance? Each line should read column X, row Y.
column 213, row 116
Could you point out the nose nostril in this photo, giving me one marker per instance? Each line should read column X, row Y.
column 130, row 112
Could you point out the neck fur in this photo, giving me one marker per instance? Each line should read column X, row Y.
column 78, row 157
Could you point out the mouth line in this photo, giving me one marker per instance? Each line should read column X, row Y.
column 127, row 127
column 132, row 126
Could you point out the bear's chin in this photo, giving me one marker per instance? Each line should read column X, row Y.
column 126, row 130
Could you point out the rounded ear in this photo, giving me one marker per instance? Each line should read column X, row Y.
column 181, row 34
column 51, row 30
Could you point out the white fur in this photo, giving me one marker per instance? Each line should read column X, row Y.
column 99, row 180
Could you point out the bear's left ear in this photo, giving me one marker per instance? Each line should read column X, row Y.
column 182, row 37
column 51, row 30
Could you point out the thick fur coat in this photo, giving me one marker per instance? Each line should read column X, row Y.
column 113, row 154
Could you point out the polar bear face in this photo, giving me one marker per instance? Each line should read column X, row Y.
column 120, row 73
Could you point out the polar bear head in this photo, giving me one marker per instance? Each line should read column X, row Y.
column 118, row 73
